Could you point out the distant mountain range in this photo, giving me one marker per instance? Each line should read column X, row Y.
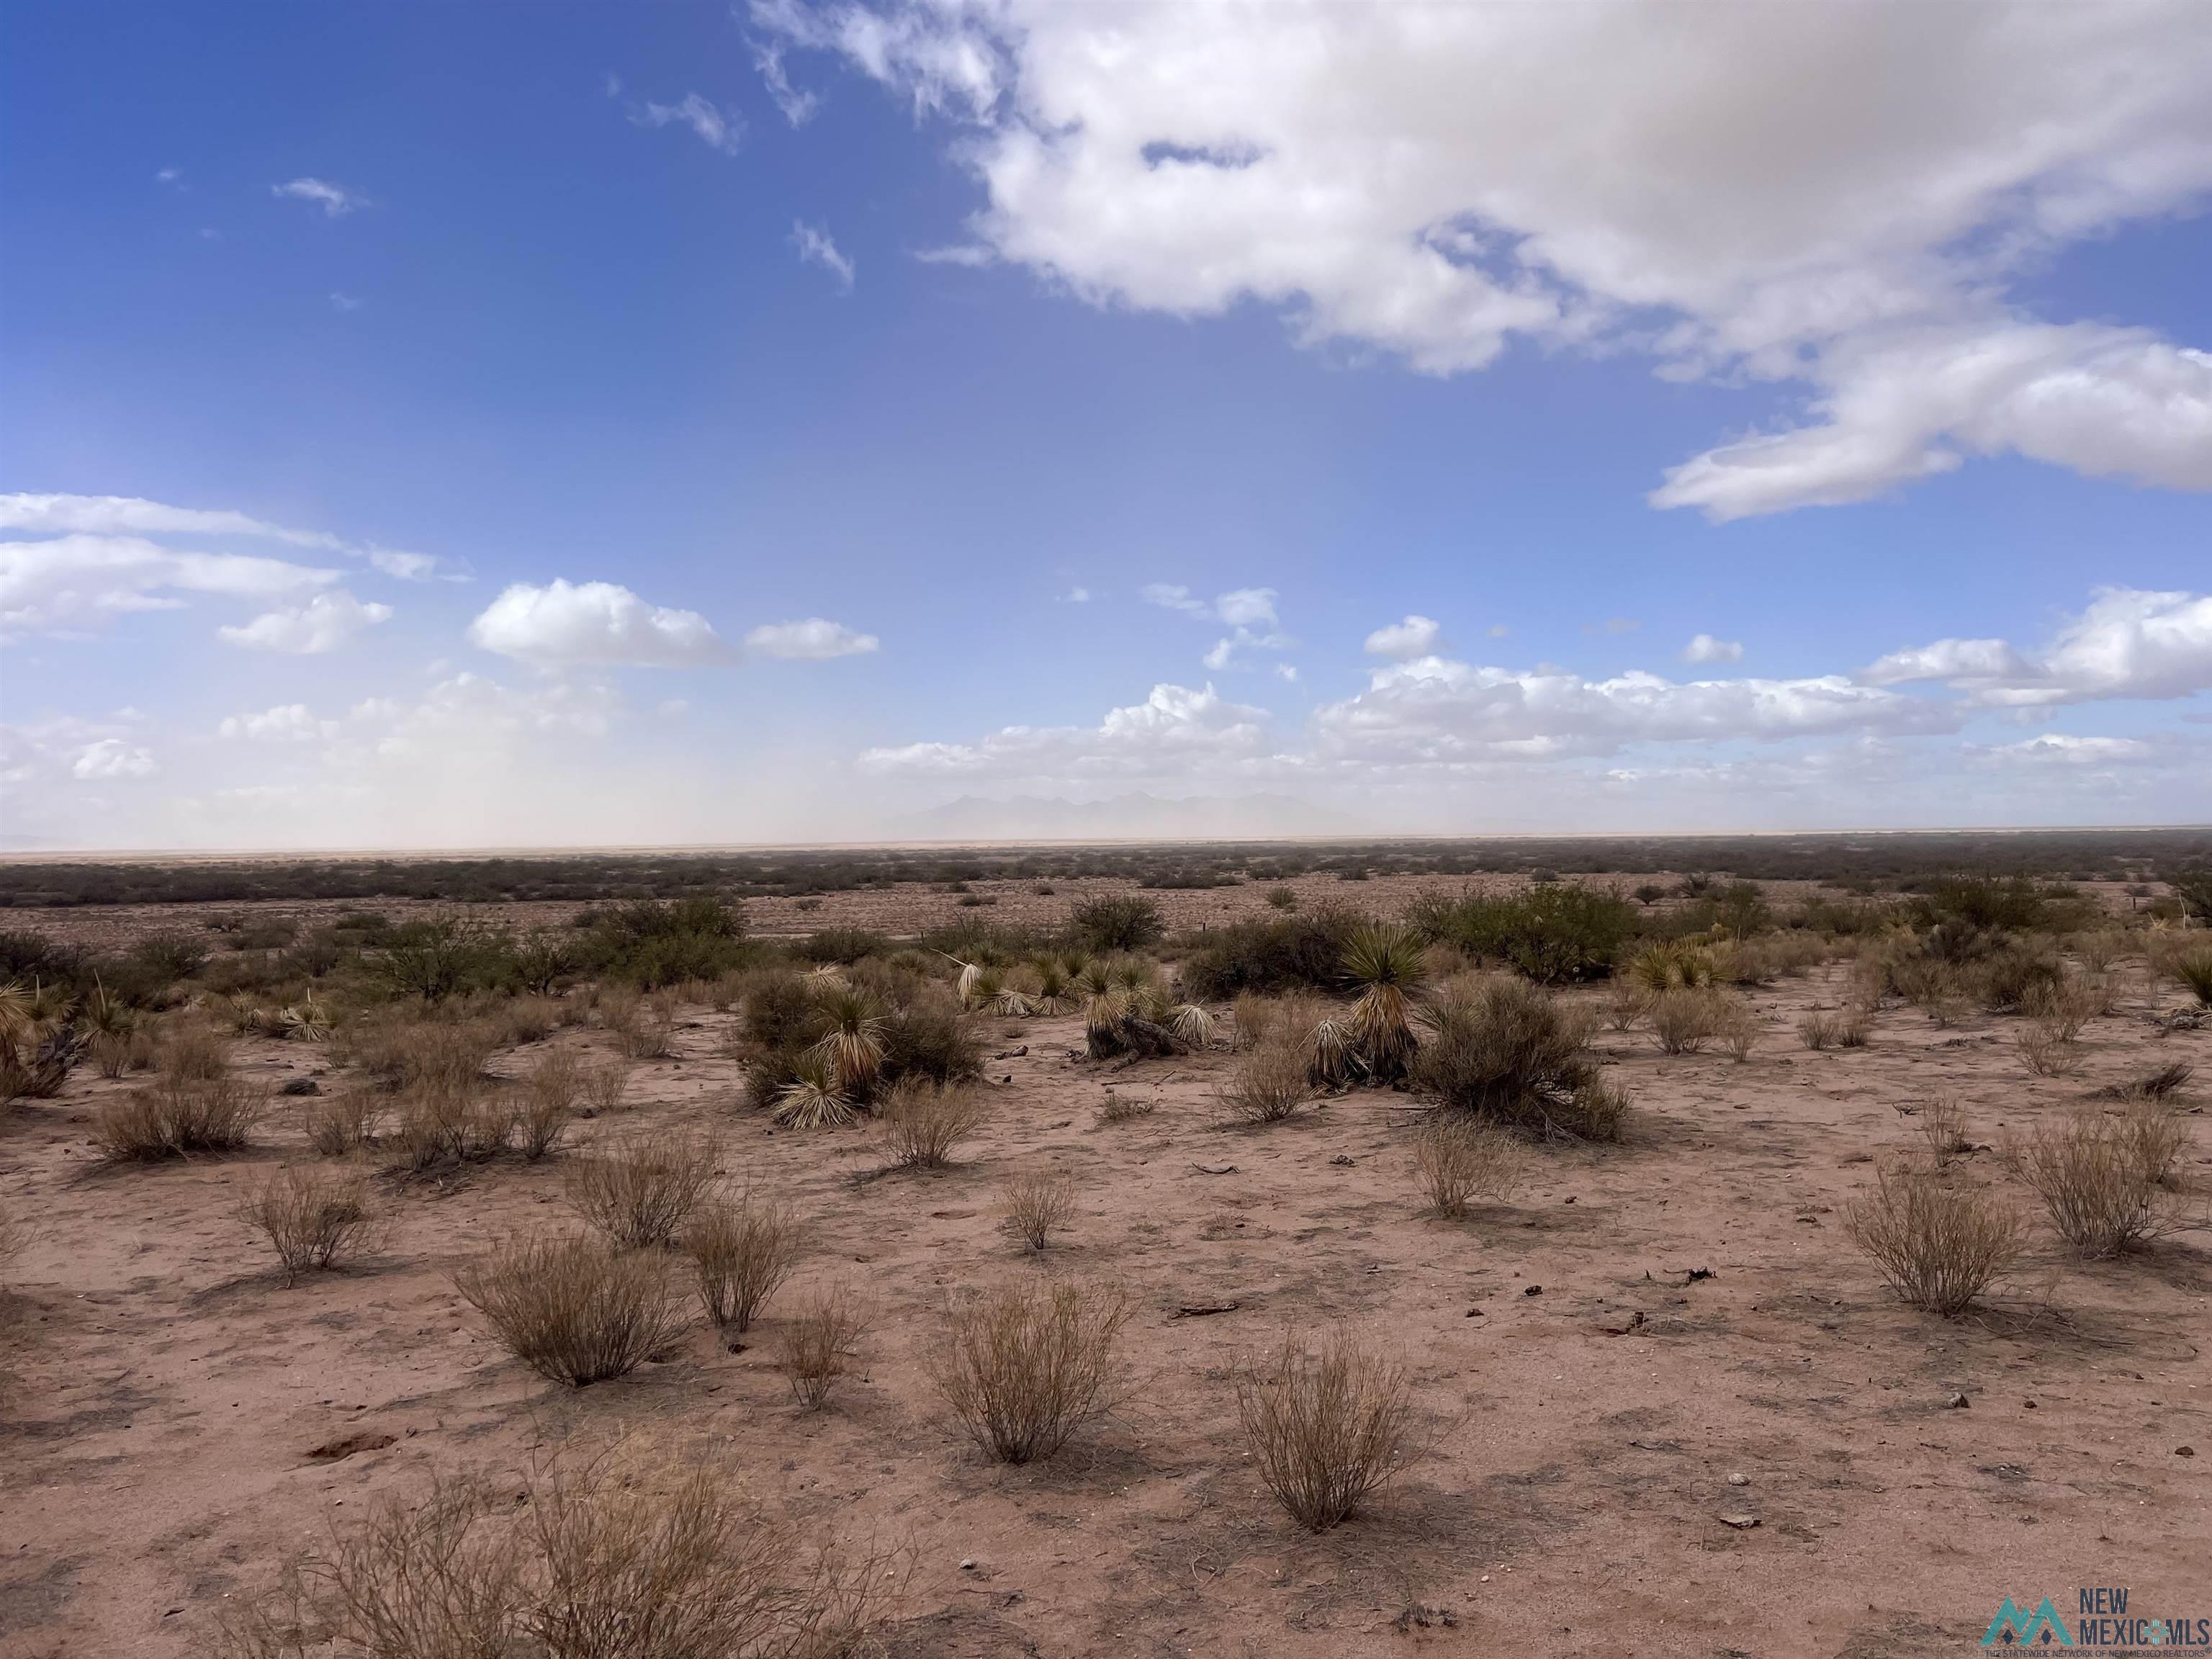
column 1123, row 817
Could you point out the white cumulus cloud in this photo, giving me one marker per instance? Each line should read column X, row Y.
column 289, row 722
column 1838, row 200
column 562, row 624
column 1173, row 732
column 1704, row 647
column 75, row 583
column 111, row 757
column 324, row 624
column 1416, row 636
column 2127, row 642
column 814, row 640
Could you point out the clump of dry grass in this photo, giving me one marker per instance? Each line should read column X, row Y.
column 2168, row 1081
column 1461, row 1159
column 742, row 1253
column 924, row 1121
column 641, row 1189
column 1025, row 1367
column 571, row 1309
column 1938, row 1245
column 1844, row 1027
column 1685, row 1020
column 1124, row 1108
column 1739, row 1028
column 1269, row 1083
column 192, row 1051
column 343, row 1123
column 2098, row 1178
column 1037, row 1206
column 819, row 1345
column 1328, row 1429
column 174, row 1116
column 595, row 1559
column 313, row 1218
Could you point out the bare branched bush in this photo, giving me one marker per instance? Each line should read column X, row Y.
column 191, row 1051
column 648, row 1031
column 924, row 1121
column 571, row 1309
column 2096, row 1177
column 1460, row 1159
column 742, row 1252
column 2155, row 1138
column 1821, row 1031
column 343, row 1123
column 1268, row 1084
column 819, row 1345
column 602, row 1087
column 1683, row 1021
column 1038, row 1205
column 2047, row 1050
column 313, row 1218
column 1625, row 1006
column 1938, row 1245
column 1503, row 1049
column 1025, row 1367
column 174, row 1116
column 641, row 1189
column 597, row 1558
column 1328, row 1429
column 1943, row 1126
column 441, row 1124
column 1739, row 1028
column 548, row 1105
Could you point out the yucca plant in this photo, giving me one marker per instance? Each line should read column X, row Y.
column 1056, row 986
column 106, row 1014
column 812, row 1100
column 1670, row 965
column 2194, row 969
column 1388, row 967
column 1332, row 1055
column 852, row 1050
column 39, row 1041
column 1192, row 1025
column 307, row 1021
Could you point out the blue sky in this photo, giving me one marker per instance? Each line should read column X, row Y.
column 471, row 425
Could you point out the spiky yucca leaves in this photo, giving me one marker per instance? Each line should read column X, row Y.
column 1671, row 964
column 852, row 1050
column 1387, row 966
column 106, row 1014
column 992, row 992
column 1104, row 1007
column 812, row 1100
column 1192, row 1025
column 1332, row 1053
column 307, row 1021
column 1125, row 1008
column 964, row 987
column 39, row 1041
column 1055, row 993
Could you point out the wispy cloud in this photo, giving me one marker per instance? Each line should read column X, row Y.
column 815, row 640
column 715, row 127
column 335, row 200
column 816, row 248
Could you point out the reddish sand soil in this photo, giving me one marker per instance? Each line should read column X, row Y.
column 1587, row 1402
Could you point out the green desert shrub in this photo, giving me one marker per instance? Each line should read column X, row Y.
column 1501, row 1048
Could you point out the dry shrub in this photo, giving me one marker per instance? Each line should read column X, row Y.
column 640, row 1190
column 1625, row 1006
column 192, row 1052
column 1684, row 1020
column 1938, row 988
column 1460, row 1159
column 742, row 1252
column 1739, row 1028
column 548, row 1105
column 2064, row 1007
column 2101, row 949
column 444, row 1124
column 1503, row 1049
column 2048, row 1051
column 1943, row 1127
column 1328, row 1429
column 114, row 1051
column 1268, row 1083
column 571, row 1309
column 1038, row 1205
column 591, row 1560
column 312, row 1217
column 2098, row 1178
column 819, row 1345
column 1025, row 1366
column 1832, row 1030
column 1938, row 1245
column 1124, row 1108
column 924, row 1121
column 173, row 1116
column 601, row 1087
column 1250, row 1018
column 2156, row 1138
column 648, row 1031
column 340, row 1124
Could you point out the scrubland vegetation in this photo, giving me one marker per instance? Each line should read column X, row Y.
column 1507, row 1049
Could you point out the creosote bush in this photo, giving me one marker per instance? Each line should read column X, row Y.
column 1025, row 1366
column 742, row 1253
column 174, row 1116
column 923, row 1122
column 313, row 1218
column 595, row 1559
column 1037, row 1206
column 1328, row 1429
column 1939, row 1244
column 1460, row 1159
column 1684, row 1020
column 640, row 1190
column 819, row 1345
column 1502, row 1048
column 571, row 1309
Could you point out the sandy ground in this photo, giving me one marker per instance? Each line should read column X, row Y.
column 1586, row 1403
